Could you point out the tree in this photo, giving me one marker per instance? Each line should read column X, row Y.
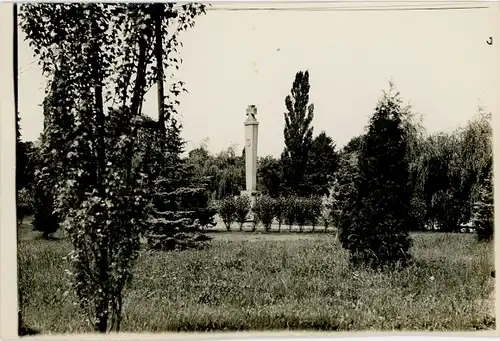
column 102, row 54
column 279, row 210
column 415, row 155
column 484, row 209
column 264, row 211
column 290, row 211
column 321, row 165
column 476, row 153
column 377, row 231
column 343, row 188
column 225, row 172
column 242, row 206
column 180, row 204
column 448, row 172
column 269, row 176
column 297, row 133
column 50, row 166
column 443, row 167
column 226, row 208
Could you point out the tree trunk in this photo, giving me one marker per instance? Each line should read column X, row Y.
column 137, row 96
column 140, row 80
column 102, row 310
column 159, row 12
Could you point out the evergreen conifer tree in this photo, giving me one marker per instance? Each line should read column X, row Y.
column 376, row 231
column 180, row 205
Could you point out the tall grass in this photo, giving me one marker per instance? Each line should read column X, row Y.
column 276, row 284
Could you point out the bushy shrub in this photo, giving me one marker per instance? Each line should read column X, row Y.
column 289, row 211
column 206, row 214
column 301, row 211
column 226, row 208
column 25, row 204
column 242, row 206
column 264, row 209
column 279, row 210
column 313, row 208
column 44, row 219
column 325, row 217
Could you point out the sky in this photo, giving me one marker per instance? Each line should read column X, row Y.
column 439, row 61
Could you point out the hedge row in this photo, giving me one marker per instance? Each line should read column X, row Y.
column 288, row 211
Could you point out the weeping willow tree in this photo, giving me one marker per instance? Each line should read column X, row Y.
column 451, row 170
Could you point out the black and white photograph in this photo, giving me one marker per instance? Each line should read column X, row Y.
column 286, row 166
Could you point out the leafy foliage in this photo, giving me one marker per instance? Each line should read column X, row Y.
column 25, row 204
column 447, row 172
column 264, row 210
column 312, row 207
column 242, row 206
column 269, row 176
column 25, row 165
column 325, row 216
column 301, row 209
column 321, row 165
column 484, row 209
column 297, row 134
column 290, row 212
column 226, row 208
column 343, row 188
column 279, row 210
column 225, row 172
column 98, row 58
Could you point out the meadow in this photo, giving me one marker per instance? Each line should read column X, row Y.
column 274, row 281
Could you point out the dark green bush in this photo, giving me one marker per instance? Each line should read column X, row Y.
column 313, row 210
column 264, row 209
column 325, row 217
column 290, row 211
column 25, row 204
column 44, row 218
column 279, row 210
column 242, row 206
column 226, row 208
column 301, row 211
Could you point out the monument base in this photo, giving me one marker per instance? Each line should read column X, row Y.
column 253, row 198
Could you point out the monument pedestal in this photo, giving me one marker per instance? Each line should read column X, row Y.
column 252, row 195
column 253, row 198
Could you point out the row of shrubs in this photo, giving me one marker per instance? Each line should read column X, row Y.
column 288, row 211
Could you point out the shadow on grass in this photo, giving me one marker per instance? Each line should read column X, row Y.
column 48, row 238
column 27, row 331
column 262, row 231
column 23, row 330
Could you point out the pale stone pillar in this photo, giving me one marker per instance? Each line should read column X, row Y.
column 251, row 140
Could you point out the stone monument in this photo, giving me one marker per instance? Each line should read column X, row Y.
column 251, row 139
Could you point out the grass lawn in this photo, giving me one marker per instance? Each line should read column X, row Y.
column 252, row 281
